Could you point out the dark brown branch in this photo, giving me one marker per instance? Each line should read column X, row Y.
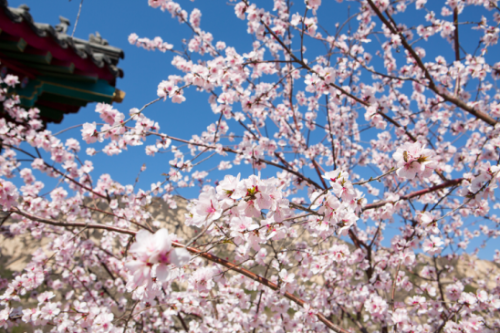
column 457, row 43
column 182, row 322
column 449, row 183
column 288, row 169
column 15, row 210
column 195, row 251
column 318, row 171
column 431, row 85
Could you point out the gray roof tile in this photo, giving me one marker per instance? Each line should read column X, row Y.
column 96, row 48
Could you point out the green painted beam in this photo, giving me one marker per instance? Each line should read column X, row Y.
column 45, row 96
column 100, row 91
column 36, row 58
column 19, row 45
column 29, row 94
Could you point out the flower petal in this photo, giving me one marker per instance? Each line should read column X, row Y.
column 179, row 257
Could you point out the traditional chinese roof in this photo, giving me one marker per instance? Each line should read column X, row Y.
column 59, row 73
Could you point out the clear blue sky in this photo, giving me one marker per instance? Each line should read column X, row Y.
column 117, row 19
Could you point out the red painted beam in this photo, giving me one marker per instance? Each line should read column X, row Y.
column 23, row 30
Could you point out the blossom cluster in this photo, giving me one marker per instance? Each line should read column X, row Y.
column 350, row 190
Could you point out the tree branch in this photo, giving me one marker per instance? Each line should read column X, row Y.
column 192, row 250
column 431, row 85
column 449, row 183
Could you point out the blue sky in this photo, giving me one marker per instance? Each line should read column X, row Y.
column 145, row 69
column 117, row 19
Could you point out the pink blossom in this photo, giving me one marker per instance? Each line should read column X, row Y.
column 432, row 245
column 227, row 187
column 364, row 170
column 154, row 249
column 207, row 207
column 89, row 133
column 412, row 158
column 313, row 4
column 8, row 194
column 132, row 38
column 11, row 80
column 166, row 88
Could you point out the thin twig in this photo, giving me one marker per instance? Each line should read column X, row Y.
column 77, row 18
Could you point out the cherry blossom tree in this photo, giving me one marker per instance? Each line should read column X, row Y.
column 366, row 169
